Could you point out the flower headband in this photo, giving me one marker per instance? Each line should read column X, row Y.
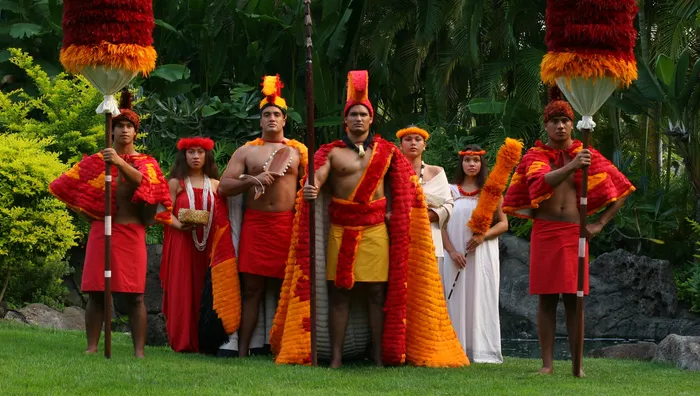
column 412, row 130
column 187, row 143
column 469, row 152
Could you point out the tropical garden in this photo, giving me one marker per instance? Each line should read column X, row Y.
column 467, row 70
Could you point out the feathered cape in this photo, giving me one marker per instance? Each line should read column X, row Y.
column 528, row 188
column 417, row 327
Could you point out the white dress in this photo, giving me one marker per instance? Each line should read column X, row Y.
column 473, row 306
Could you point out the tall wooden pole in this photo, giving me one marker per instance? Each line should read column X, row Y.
column 310, row 144
column 577, row 358
column 108, row 241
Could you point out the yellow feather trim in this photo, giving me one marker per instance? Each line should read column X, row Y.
column 131, row 57
column 572, row 64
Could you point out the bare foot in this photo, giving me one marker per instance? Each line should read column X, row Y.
column 580, row 374
column 91, row 351
column 546, row 370
column 139, row 355
column 336, row 364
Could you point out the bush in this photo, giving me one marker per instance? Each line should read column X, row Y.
column 62, row 112
column 35, row 228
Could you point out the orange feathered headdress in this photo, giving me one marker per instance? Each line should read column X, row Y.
column 125, row 111
column 272, row 90
column 358, row 91
column 557, row 106
column 203, row 142
column 413, row 130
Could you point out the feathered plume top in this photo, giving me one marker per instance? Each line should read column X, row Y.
column 108, row 33
column 126, row 113
column 358, row 91
column 272, row 91
column 557, row 106
column 590, row 39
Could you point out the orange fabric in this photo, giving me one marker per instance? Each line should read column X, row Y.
column 554, row 258
column 82, row 188
column 528, row 188
column 127, row 263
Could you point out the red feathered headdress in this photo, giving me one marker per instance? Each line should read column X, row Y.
column 358, row 91
column 203, row 142
column 272, row 91
column 125, row 111
column 557, row 106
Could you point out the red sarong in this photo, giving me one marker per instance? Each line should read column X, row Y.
column 554, row 258
column 264, row 244
column 128, row 258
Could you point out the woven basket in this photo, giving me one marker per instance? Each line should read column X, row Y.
column 192, row 216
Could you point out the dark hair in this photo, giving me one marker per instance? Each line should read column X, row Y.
column 458, row 177
column 180, row 169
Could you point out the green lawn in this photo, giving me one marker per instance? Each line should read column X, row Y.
column 41, row 361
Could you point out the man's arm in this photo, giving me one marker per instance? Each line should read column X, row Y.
column 131, row 175
column 607, row 215
column 320, row 177
column 230, row 184
column 556, row 177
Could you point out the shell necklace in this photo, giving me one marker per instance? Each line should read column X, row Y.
column 206, row 193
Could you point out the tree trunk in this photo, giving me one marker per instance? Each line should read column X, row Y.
column 4, row 286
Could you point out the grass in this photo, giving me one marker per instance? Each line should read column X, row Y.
column 44, row 361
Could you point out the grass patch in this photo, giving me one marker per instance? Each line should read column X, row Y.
column 44, row 361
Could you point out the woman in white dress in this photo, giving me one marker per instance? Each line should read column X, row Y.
column 473, row 304
column 434, row 182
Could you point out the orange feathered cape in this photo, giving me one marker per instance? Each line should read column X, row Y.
column 82, row 188
column 606, row 184
column 417, row 327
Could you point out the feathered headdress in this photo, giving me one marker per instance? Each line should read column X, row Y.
column 557, row 106
column 272, row 91
column 125, row 111
column 413, row 130
column 358, row 91
column 203, row 142
column 108, row 33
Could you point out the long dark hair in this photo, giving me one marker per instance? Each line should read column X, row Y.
column 180, row 169
column 458, row 177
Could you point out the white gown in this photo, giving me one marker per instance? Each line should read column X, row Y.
column 473, row 306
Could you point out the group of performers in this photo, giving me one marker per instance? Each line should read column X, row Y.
column 391, row 235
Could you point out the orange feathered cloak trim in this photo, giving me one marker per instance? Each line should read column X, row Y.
column 606, row 184
column 226, row 289
column 82, row 188
column 417, row 327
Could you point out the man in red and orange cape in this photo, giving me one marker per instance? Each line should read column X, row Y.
column 261, row 233
column 139, row 191
column 546, row 188
column 388, row 270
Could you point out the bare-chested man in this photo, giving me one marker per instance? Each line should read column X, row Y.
column 140, row 190
column 266, row 230
column 546, row 188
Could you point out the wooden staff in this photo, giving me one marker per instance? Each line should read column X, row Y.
column 108, row 240
column 577, row 359
column 310, row 175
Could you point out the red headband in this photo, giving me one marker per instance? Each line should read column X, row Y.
column 187, row 143
column 469, row 152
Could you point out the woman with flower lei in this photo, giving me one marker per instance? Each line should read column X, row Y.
column 193, row 181
column 473, row 297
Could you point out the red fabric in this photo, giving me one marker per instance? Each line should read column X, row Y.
column 182, row 271
column 128, row 258
column 264, row 244
column 554, row 258
column 116, row 22
column 357, row 215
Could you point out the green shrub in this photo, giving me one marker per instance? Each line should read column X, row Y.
column 62, row 112
column 35, row 228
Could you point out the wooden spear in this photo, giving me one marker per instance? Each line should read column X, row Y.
column 310, row 175
column 108, row 240
column 577, row 358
